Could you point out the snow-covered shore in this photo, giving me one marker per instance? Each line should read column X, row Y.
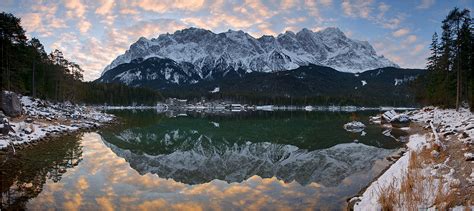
column 437, row 176
column 42, row 119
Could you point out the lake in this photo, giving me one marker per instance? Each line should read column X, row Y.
column 202, row 161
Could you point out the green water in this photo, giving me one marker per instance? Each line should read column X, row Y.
column 231, row 161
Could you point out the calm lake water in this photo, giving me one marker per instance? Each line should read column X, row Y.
column 252, row 160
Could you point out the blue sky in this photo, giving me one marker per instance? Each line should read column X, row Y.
column 94, row 32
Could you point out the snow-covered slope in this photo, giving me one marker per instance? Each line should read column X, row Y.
column 209, row 52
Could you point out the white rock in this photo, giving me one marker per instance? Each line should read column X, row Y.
column 354, row 126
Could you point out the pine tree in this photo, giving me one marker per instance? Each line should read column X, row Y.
column 434, row 48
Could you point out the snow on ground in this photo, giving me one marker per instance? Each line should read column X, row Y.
column 215, row 90
column 448, row 121
column 393, row 176
column 445, row 122
column 43, row 118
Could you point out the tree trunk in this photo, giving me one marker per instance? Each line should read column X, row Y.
column 1, row 72
column 8, row 76
column 458, row 89
column 33, row 84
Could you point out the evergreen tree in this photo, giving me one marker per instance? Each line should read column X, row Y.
column 450, row 64
column 27, row 69
column 434, row 48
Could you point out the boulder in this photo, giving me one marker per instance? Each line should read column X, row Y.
column 354, row 126
column 397, row 120
column 11, row 104
column 388, row 116
column 5, row 127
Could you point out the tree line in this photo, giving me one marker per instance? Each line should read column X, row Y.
column 449, row 82
column 26, row 68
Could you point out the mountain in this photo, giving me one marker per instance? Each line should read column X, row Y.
column 319, row 67
column 203, row 53
column 308, row 84
column 197, row 158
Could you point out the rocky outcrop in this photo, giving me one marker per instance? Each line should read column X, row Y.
column 10, row 104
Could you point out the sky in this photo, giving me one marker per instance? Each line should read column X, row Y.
column 94, row 32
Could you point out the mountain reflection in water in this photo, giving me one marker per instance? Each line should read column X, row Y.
column 155, row 162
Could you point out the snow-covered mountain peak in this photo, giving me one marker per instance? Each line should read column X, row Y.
column 209, row 52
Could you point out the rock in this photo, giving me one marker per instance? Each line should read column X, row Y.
column 29, row 130
column 397, row 120
column 354, row 126
column 29, row 120
column 463, row 135
column 375, row 119
column 455, row 183
column 469, row 127
column 5, row 127
column 388, row 116
column 396, row 156
column 400, row 120
column 469, row 156
column 11, row 104
column 435, row 154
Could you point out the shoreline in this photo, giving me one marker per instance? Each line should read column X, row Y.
column 42, row 120
column 246, row 108
column 392, row 159
column 426, row 166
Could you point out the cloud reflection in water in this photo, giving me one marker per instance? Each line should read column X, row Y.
column 105, row 181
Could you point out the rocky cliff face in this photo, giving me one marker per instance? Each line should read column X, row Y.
column 206, row 55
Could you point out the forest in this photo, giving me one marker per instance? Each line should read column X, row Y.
column 449, row 82
column 27, row 69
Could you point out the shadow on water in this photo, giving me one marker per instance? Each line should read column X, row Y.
column 23, row 175
column 305, row 130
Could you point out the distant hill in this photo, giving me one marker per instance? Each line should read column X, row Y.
column 306, row 84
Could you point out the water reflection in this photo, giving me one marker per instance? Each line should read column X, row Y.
column 23, row 175
column 249, row 161
column 105, row 181
column 204, row 162
column 300, row 146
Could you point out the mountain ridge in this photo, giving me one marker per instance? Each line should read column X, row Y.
column 233, row 50
column 312, row 83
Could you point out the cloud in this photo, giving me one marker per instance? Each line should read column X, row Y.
column 32, row 21
column 418, row 48
column 96, row 32
column 392, row 23
column 167, row 5
column 84, row 26
column 403, row 53
column 383, row 8
column 106, row 7
column 94, row 54
column 128, row 11
column 425, row 4
column 291, row 21
column 326, row 3
column 42, row 21
column 401, row 32
column 75, row 8
column 287, row 4
column 411, row 39
column 358, row 8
